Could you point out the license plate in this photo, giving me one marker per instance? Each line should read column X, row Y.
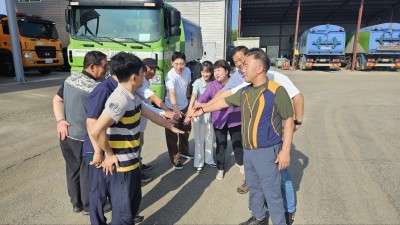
column 48, row 60
column 322, row 60
column 385, row 60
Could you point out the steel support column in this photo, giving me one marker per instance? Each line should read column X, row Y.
column 239, row 33
column 353, row 61
column 16, row 48
column 295, row 36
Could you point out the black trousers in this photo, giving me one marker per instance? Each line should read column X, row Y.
column 221, row 138
column 77, row 179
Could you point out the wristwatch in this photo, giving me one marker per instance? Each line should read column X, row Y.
column 297, row 122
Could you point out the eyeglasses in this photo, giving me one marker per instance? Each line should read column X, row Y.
column 241, row 59
column 103, row 66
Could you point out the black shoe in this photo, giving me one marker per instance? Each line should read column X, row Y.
column 289, row 218
column 107, row 207
column 85, row 211
column 145, row 167
column 77, row 208
column 178, row 165
column 254, row 221
column 138, row 219
column 242, row 189
column 186, row 155
column 144, row 178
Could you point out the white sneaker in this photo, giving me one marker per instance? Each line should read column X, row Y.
column 241, row 168
column 220, row 175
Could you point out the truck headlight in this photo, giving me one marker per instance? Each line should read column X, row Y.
column 28, row 55
column 156, row 80
column 60, row 55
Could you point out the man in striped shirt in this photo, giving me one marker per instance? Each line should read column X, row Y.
column 116, row 132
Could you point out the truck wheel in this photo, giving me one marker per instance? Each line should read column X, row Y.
column 44, row 72
column 7, row 66
column 302, row 65
column 359, row 64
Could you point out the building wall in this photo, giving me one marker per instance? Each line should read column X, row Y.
column 53, row 10
column 212, row 15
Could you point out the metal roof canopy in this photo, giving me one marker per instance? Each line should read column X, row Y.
column 266, row 12
column 261, row 12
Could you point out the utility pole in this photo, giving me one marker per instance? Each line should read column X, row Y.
column 16, row 48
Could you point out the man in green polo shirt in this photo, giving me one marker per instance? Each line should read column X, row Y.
column 264, row 104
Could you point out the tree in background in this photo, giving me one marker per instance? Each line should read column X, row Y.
column 234, row 35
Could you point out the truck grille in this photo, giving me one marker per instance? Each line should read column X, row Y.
column 45, row 51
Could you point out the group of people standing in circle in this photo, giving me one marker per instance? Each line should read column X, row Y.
column 101, row 133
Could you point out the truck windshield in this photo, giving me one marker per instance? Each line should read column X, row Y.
column 37, row 30
column 142, row 25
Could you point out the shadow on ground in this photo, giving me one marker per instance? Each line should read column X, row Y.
column 33, row 81
column 172, row 180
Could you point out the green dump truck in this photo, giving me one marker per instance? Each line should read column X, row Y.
column 146, row 28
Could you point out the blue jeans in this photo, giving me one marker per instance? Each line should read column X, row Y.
column 287, row 191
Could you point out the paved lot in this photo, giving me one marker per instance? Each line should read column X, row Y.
column 345, row 159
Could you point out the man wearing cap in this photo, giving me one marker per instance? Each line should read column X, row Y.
column 149, row 95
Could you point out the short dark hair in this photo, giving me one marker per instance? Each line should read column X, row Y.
column 259, row 54
column 240, row 48
column 208, row 66
column 222, row 64
column 123, row 65
column 178, row 55
column 93, row 57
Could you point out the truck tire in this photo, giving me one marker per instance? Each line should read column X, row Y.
column 359, row 64
column 7, row 66
column 44, row 72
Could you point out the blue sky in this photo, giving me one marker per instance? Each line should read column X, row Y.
column 235, row 11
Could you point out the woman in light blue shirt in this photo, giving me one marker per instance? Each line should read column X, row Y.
column 202, row 126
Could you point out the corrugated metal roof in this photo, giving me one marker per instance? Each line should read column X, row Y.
column 321, row 11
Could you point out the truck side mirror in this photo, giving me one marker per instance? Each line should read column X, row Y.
column 67, row 15
column 68, row 28
column 175, row 31
column 175, row 18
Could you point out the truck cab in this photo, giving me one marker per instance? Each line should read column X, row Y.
column 146, row 28
column 40, row 47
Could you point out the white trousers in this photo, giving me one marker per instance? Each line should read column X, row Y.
column 204, row 143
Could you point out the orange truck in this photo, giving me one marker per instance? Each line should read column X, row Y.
column 41, row 49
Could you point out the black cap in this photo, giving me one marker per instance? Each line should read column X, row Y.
column 150, row 62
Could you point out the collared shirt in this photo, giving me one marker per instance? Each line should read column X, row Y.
column 75, row 93
column 229, row 116
column 199, row 86
column 263, row 108
column 146, row 92
column 237, row 82
column 95, row 106
column 124, row 108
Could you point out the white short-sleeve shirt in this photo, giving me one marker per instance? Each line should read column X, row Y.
column 278, row 78
column 178, row 82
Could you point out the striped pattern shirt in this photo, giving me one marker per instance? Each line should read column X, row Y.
column 125, row 109
column 262, row 110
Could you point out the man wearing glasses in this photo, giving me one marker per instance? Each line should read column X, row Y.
column 235, row 83
column 69, row 106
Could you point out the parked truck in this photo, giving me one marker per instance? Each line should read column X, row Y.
column 378, row 46
column 40, row 47
column 321, row 46
column 146, row 28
